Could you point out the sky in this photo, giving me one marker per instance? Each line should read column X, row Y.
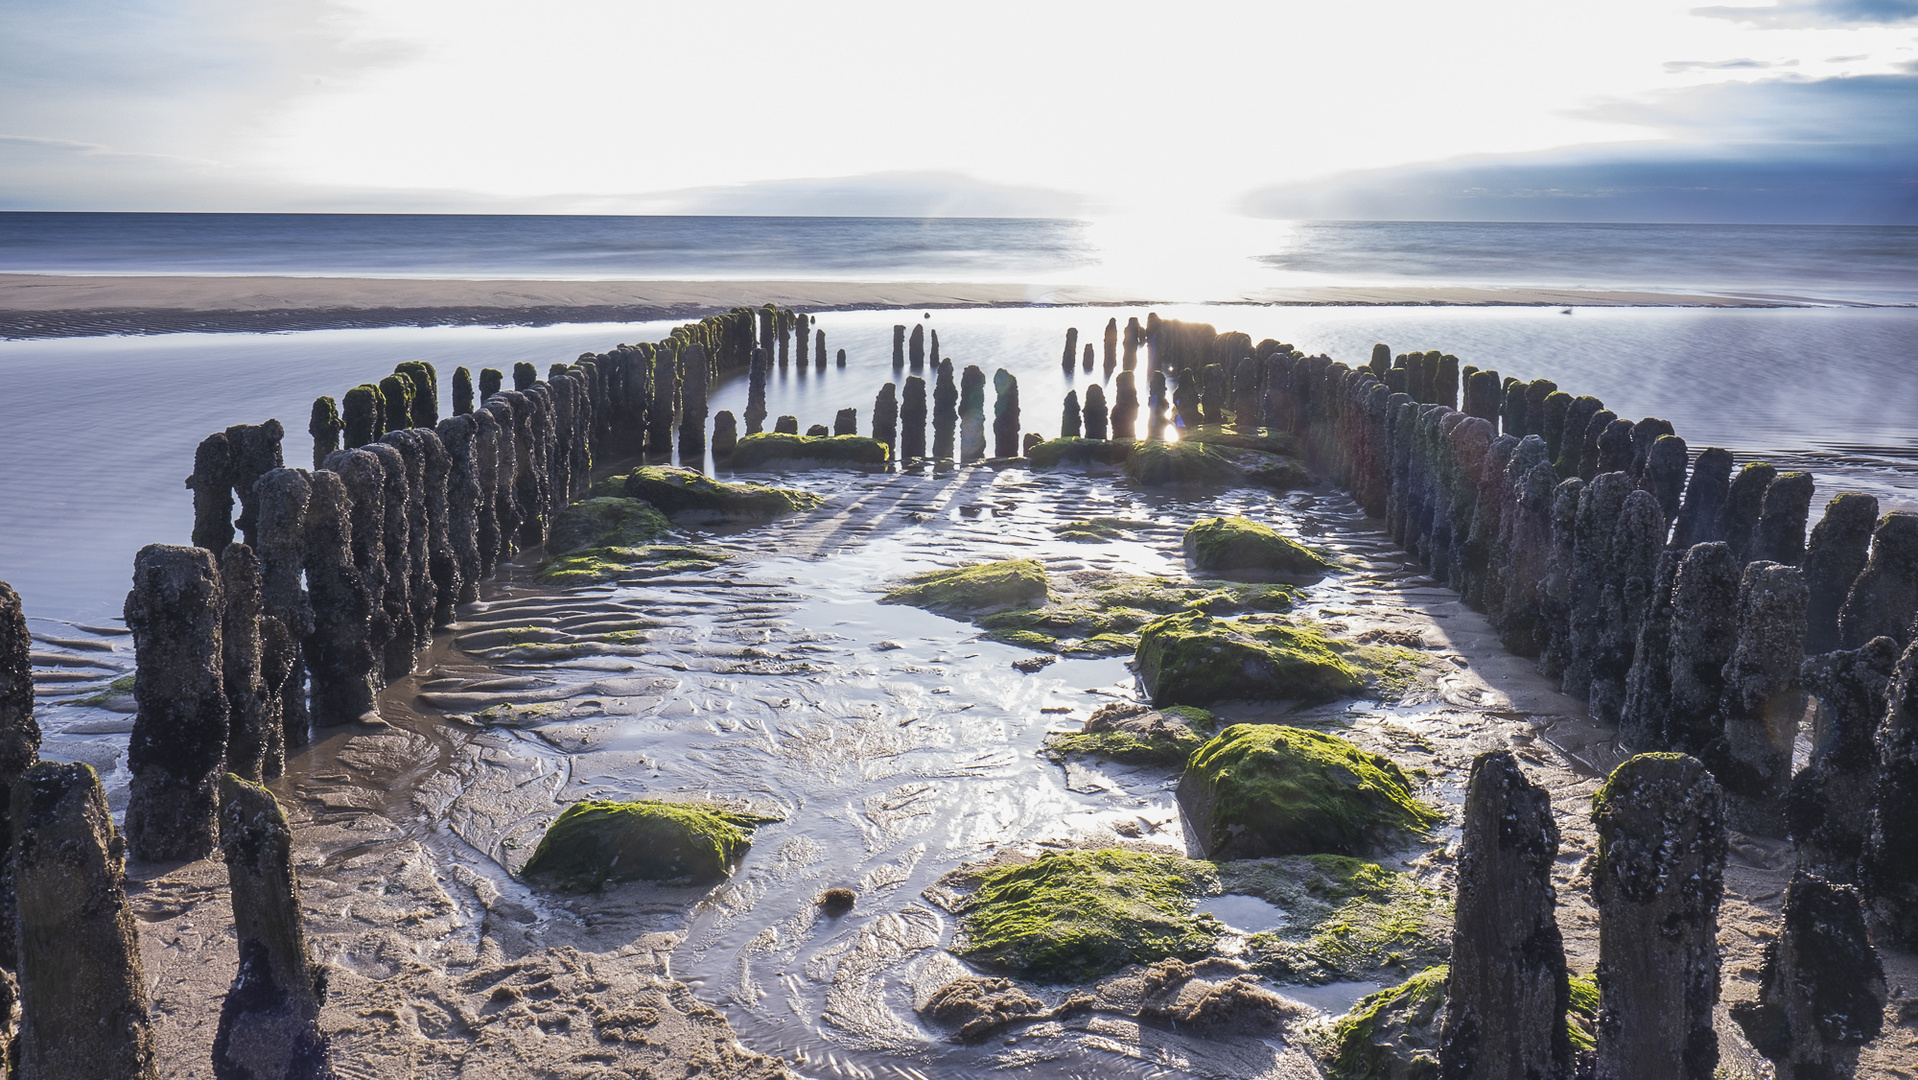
column 1794, row 110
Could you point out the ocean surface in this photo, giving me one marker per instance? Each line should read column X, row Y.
column 1200, row 260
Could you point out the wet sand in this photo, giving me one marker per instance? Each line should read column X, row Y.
column 898, row 745
column 46, row 305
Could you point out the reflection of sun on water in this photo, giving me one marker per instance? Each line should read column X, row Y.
column 1192, row 258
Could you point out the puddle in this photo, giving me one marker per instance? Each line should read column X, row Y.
column 1333, row 999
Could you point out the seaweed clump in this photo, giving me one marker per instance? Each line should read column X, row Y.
column 1136, row 734
column 1193, row 658
column 1078, row 915
column 1392, row 1033
column 589, row 566
column 1077, row 451
column 1239, row 546
column 1267, row 789
column 598, row 842
column 1345, row 918
column 1185, row 464
column 1099, row 613
column 606, row 521
column 978, row 589
column 684, row 493
column 1097, row 530
column 767, row 448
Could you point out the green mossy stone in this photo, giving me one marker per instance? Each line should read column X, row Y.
column 589, row 566
column 1391, row 1035
column 1193, row 658
column 766, row 448
column 1345, row 918
column 1260, row 790
column 597, row 843
column 1099, row 613
column 1078, row 451
column 1098, row 530
column 1236, row 546
column 606, row 521
column 1189, row 464
column 1581, row 1020
column 979, row 589
column 1127, row 747
column 680, row 492
column 1265, row 440
column 1075, row 916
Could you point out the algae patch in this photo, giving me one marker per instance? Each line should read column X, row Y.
column 1266, row 789
column 974, row 590
column 1240, row 546
column 1136, row 734
column 596, row 843
column 597, row 564
column 606, row 521
column 1075, row 916
column 1392, row 1033
column 1193, row 658
column 1099, row 613
column 1098, row 530
column 1078, row 451
column 685, row 494
column 767, row 447
column 1346, row 918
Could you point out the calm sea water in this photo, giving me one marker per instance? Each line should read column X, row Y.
column 1214, row 259
column 100, row 431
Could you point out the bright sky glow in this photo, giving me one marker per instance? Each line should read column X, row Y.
column 616, row 106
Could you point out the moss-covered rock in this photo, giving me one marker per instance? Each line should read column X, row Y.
column 1079, row 452
column 1264, row 440
column 1099, row 613
column 1345, row 919
column 592, row 565
column 606, row 521
column 975, row 590
column 769, row 448
column 1194, row 658
column 1097, row 530
column 1581, row 1019
column 1391, row 1035
column 683, row 494
column 1180, row 464
column 1077, row 915
column 1257, row 790
column 596, row 843
column 1136, row 734
column 1240, row 547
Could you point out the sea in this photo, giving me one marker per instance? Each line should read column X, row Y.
column 99, row 431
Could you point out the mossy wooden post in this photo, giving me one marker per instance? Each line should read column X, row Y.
column 180, row 730
column 440, row 574
column 255, row 743
column 1888, row 867
column 1072, row 349
column 819, row 349
column 1704, row 634
column 916, row 347
column 786, row 425
column 1507, row 993
column 339, row 651
column 1089, row 358
column 1553, row 414
column 898, row 346
column 360, row 416
column 1095, row 412
column 1125, row 407
column 1744, row 504
column 1839, row 546
column 802, row 331
column 1599, row 505
column 284, row 495
column 932, row 349
column 784, row 325
column 945, row 412
column 1657, row 884
column 83, row 993
column 365, row 480
column 756, row 394
column 491, row 379
column 1779, row 534
column 664, row 412
column 1155, row 404
column 885, row 419
column 1381, row 361
column 1638, row 539
column 396, row 402
column 426, row 392
column 396, row 552
column 912, row 419
column 1885, row 593
column 1821, row 994
column 1111, row 358
column 694, row 410
column 269, row 1025
column 725, row 435
column 768, row 330
column 19, row 737
column 1005, row 414
column 325, row 427
column 256, row 452
column 1648, row 683
column 1828, row 808
column 486, row 453
column 1571, row 441
column 1701, row 513
column 212, row 486
column 1762, row 701
column 1129, row 346
column 972, row 413
column 462, row 391
column 1070, row 416
column 1212, row 396
column 846, row 422
column 524, row 376
column 840, row 360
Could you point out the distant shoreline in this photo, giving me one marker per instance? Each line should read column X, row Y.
column 50, row 305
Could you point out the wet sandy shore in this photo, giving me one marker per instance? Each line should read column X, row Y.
column 896, row 744
column 44, row 305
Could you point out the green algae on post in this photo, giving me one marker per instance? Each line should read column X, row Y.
column 755, row 451
column 1240, row 546
column 1192, row 658
column 597, row 842
column 1078, row 915
column 683, row 492
column 1267, row 789
column 975, row 590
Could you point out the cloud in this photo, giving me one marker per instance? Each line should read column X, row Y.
column 1724, row 65
column 1784, row 150
column 1814, row 13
